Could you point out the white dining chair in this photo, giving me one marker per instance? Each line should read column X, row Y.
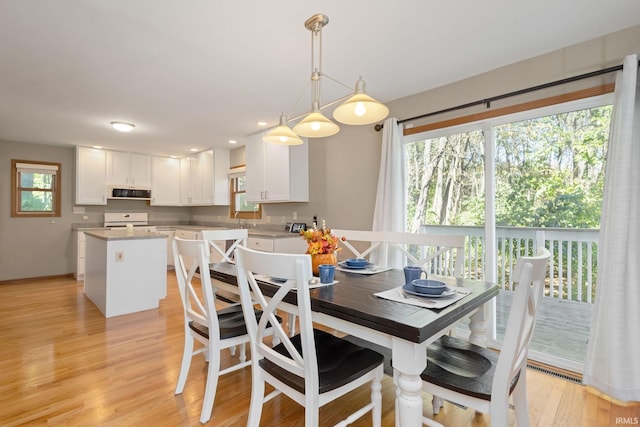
column 214, row 329
column 314, row 367
column 223, row 242
column 437, row 253
column 479, row 378
column 222, row 245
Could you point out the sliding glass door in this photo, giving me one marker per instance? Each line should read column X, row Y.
column 514, row 183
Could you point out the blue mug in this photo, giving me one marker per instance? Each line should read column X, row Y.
column 413, row 272
column 326, row 272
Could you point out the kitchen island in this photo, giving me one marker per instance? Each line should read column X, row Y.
column 126, row 271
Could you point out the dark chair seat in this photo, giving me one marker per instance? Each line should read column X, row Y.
column 339, row 362
column 461, row 366
column 231, row 321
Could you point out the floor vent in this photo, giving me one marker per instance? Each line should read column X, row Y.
column 573, row 378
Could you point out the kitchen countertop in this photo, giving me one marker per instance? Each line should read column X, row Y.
column 253, row 232
column 121, row 234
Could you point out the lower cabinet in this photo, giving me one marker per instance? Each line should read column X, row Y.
column 169, row 234
column 287, row 245
column 81, row 251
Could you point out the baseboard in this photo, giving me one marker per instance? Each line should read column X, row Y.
column 34, row 279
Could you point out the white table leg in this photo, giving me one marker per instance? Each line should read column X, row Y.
column 478, row 327
column 409, row 360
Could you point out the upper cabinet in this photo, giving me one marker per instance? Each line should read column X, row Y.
column 128, row 170
column 277, row 173
column 91, row 176
column 203, row 178
column 165, row 182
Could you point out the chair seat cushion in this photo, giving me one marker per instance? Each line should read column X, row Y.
column 231, row 321
column 461, row 366
column 339, row 362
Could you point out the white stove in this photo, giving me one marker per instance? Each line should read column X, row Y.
column 139, row 220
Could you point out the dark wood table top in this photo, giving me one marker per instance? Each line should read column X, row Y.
column 353, row 300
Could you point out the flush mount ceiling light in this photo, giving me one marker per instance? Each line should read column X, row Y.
column 358, row 109
column 122, row 126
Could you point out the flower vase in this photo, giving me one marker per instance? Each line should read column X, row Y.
column 318, row 259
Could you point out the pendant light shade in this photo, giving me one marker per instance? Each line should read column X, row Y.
column 360, row 109
column 316, row 125
column 283, row 134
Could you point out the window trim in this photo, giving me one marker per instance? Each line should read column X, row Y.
column 56, row 190
column 513, row 109
column 232, row 202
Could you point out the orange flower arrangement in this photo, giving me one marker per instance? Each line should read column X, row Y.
column 321, row 241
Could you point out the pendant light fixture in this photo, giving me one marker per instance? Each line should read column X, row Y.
column 358, row 109
column 283, row 134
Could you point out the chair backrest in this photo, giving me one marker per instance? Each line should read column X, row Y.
column 539, row 264
column 224, row 242
column 363, row 244
column 191, row 256
column 296, row 269
column 531, row 272
column 437, row 253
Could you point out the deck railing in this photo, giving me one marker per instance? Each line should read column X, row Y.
column 573, row 269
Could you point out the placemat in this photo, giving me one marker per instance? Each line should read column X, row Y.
column 396, row 294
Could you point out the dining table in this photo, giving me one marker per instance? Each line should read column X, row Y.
column 351, row 305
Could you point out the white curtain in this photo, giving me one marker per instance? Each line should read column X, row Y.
column 613, row 356
column 389, row 211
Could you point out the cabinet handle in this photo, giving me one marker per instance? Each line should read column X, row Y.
column 266, row 194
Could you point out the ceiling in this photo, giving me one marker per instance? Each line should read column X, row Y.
column 197, row 73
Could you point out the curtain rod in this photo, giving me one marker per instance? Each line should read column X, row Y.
column 488, row 101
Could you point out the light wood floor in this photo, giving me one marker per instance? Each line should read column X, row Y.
column 63, row 363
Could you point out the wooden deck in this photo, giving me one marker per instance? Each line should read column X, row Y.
column 562, row 327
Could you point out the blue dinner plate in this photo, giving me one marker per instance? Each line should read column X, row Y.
column 410, row 289
column 353, row 267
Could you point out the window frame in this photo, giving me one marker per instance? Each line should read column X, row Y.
column 16, row 190
column 232, row 201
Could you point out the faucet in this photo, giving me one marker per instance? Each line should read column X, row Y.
column 241, row 223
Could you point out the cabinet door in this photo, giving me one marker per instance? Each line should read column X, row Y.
column 118, row 169
column 277, row 179
column 196, row 180
column 214, row 165
column 254, row 170
column 185, row 181
column 165, row 184
column 140, row 170
column 206, row 166
column 277, row 173
column 91, row 176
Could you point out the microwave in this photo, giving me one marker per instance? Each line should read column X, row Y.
column 130, row 193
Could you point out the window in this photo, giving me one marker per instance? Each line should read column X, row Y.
column 238, row 206
column 35, row 188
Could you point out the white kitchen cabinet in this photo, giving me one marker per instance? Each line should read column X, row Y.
column 277, row 173
column 284, row 245
column 203, row 178
column 128, row 170
column 169, row 234
column 165, row 181
column 91, row 176
column 81, row 250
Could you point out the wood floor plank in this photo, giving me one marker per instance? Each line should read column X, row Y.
column 63, row 364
